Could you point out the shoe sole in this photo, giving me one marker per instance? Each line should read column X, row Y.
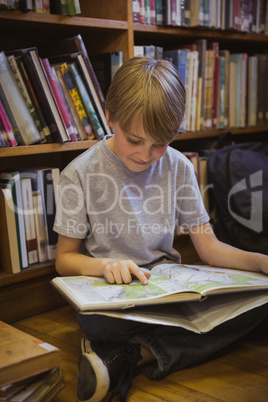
column 89, row 361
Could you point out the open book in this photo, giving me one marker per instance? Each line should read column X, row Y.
column 169, row 283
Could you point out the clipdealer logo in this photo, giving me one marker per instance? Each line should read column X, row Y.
column 255, row 222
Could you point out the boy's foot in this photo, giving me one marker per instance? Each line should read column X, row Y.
column 96, row 374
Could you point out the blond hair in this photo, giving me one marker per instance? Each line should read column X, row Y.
column 151, row 90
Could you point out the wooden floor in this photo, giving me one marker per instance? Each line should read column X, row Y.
column 240, row 375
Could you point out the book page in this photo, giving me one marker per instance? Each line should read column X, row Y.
column 195, row 316
column 205, row 279
column 88, row 292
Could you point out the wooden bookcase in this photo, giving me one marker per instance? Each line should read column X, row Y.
column 104, row 26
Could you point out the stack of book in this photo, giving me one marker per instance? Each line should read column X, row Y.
column 28, row 205
column 29, row 368
column 223, row 89
column 63, row 7
column 241, row 15
column 50, row 99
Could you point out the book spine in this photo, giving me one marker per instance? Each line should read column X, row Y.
column 50, row 182
column 10, row 135
column 73, row 112
column 11, row 118
column 31, row 240
column 94, row 98
column 45, row 133
column 77, row 101
column 9, row 252
column 22, row 86
column 55, row 89
column 16, row 102
column 40, row 224
column 97, row 128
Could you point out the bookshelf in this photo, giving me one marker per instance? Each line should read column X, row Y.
column 104, row 26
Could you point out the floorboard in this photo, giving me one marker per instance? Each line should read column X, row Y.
column 238, row 375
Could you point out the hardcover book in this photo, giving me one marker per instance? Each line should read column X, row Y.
column 23, row 355
column 16, row 102
column 9, row 250
column 168, row 283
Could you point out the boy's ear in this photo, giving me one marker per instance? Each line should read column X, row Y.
column 108, row 118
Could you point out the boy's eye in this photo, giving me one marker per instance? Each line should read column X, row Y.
column 133, row 141
column 160, row 145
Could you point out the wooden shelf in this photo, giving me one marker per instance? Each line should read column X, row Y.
column 46, row 148
column 200, row 32
column 192, row 135
column 9, row 17
column 27, row 274
column 83, row 145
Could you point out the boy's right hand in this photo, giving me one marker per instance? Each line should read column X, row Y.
column 123, row 271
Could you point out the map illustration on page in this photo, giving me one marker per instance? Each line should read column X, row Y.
column 168, row 283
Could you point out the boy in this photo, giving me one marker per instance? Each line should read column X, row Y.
column 122, row 201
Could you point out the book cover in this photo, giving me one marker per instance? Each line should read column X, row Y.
column 28, row 210
column 9, row 250
column 70, row 45
column 168, row 283
column 43, row 93
column 43, row 387
column 95, row 123
column 13, row 179
column 73, row 90
column 50, row 178
column 40, row 226
column 136, row 10
column 44, row 130
column 94, row 99
column 81, row 135
column 6, row 127
column 252, row 93
column 23, row 355
column 25, row 93
column 59, row 100
column 73, row 7
column 105, row 66
column 11, row 119
column 16, row 102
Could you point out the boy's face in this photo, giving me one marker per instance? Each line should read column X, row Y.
column 135, row 149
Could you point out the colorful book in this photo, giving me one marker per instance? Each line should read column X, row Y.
column 96, row 126
column 69, row 104
column 168, row 283
column 22, row 84
column 35, row 70
column 59, row 100
column 44, row 130
column 77, row 100
column 16, row 102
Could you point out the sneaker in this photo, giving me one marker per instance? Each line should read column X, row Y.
column 97, row 375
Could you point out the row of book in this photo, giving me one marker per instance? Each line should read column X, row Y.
column 240, row 15
column 29, row 368
column 223, row 89
column 50, row 99
column 28, row 205
column 62, row 7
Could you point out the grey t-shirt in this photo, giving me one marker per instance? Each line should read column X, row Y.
column 123, row 214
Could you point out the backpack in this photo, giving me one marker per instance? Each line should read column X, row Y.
column 238, row 180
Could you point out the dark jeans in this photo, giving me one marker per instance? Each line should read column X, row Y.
column 174, row 348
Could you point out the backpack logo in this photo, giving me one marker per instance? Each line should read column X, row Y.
column 255, row 182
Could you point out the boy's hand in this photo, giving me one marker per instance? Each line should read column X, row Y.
column 122, row 272
column 263, row 263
